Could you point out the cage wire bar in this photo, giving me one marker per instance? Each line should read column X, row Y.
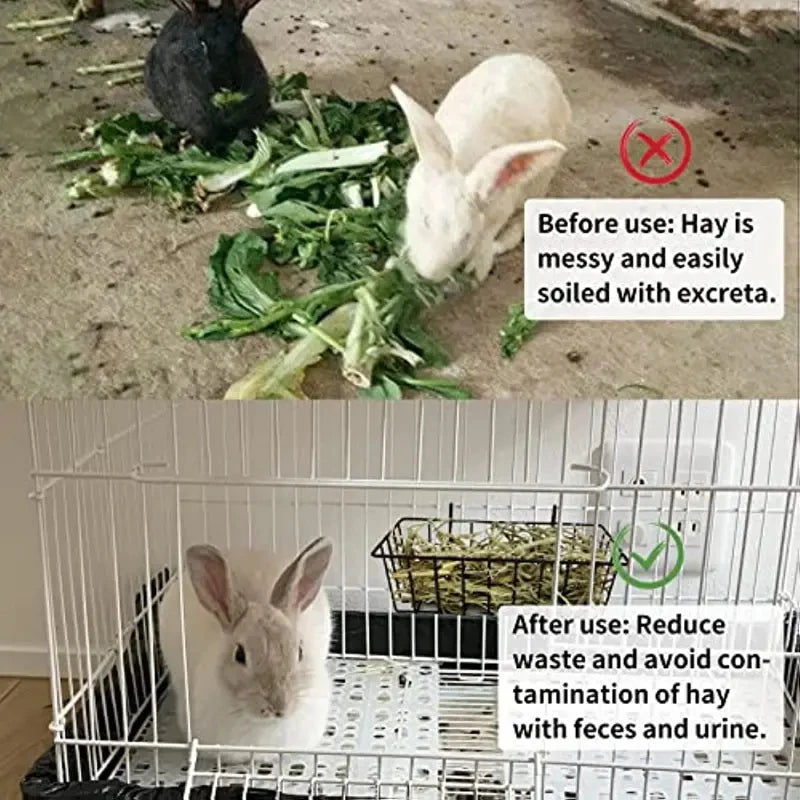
column 123, row 488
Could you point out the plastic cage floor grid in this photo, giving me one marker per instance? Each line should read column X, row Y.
column 383, row 707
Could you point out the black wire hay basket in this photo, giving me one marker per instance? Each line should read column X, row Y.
column 463, row 567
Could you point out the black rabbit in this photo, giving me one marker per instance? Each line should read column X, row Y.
column 200, row 53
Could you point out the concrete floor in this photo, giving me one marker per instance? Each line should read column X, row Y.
column 91, row 303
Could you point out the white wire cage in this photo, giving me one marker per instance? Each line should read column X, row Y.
column 122, row 489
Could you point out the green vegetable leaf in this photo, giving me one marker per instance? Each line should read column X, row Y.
column 238, row 285
column 226, row 98
column 375, row 392
column 391, row 389
column 384, row 389
column 288, row 87
column 227, row 179
column 415, row 336
column 298, row 212
column 442, row 387
column 517, row 330
column 118, row 129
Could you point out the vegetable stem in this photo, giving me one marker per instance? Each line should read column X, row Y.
column 290, row 108
column 357, row 366
column 318, row 331
column 102, row 69
column 120, row 80
column 316, row 117
column 37, row 24
column 58, row 33
column 281, row 376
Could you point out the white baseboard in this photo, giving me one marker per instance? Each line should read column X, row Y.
column 24, row 662
column 34, row 662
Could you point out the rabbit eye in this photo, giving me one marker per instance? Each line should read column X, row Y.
column 300, row 653
column 239, row 655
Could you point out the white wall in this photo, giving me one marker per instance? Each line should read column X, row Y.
column 22, row 630
column 66, row 435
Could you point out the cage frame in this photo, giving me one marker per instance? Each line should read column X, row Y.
column 47, row 479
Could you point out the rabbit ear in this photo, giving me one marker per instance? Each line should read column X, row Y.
column 431, row 141
column 214, row 584
column 185, row 5
column 198, row 7
column 511, row 165
column 243, row 6
column 300, row 582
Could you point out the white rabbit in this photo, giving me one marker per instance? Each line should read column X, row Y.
column 493, row 143
column 257, row 639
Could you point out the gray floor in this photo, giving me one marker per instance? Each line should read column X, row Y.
column 91, row 304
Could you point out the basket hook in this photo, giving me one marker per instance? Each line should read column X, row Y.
column 603, row 474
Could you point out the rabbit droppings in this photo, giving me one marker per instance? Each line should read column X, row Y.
column 200, row 52
column 257, row 640
column 494, row 142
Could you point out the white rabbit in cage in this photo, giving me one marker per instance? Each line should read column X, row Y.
column 257, row 640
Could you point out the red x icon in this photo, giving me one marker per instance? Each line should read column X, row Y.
column 655, row 148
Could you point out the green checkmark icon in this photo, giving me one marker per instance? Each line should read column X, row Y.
column 647, row 561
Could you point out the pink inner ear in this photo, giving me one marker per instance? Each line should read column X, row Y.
column 305, row 588
column 514, row 167
column 217, row 587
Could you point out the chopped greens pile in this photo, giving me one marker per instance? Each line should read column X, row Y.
column 371, row 322
column 323, row 180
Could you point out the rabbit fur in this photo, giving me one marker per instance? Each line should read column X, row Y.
column 201, row 51
column 257, row 639
column 496, row 140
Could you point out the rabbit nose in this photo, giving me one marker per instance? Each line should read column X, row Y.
column 280, row 707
